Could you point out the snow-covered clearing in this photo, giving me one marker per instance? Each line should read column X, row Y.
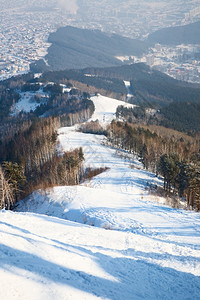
column 104, row 239
column 128, row 87
column 105, row 108
column 27, row 101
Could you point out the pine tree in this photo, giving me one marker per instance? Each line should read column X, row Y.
column 15, row 176
column 6, row 192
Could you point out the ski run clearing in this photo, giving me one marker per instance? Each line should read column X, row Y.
column 107, row 238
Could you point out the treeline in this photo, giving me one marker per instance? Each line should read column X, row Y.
column 7, row 99
column 93, row 127
column 176, row 159
column 62, row 170
column 183, row 177
column 181, row 116
column 7, row 199
column 114, row 85
column 160, row 92
column 23, row 153
column 29, row 160
column 33, row 146
column 131, row 114
column 149, row 86
column 71, row 108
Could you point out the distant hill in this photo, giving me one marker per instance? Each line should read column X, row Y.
column 178, row 102
column 182, row 116
column 149, row 87
column 75, row 48
column 129, row 72
column 187, row 34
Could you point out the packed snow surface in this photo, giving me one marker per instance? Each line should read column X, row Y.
column 107, row 238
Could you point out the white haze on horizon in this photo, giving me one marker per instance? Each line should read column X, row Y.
column 70, row 6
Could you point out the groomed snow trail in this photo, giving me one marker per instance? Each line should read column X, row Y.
column 104, row 239
column 49, row 258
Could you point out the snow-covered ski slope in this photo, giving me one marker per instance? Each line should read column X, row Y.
column 104, row 239
column 105, row 109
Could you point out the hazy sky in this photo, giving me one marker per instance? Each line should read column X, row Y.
column 69, row 5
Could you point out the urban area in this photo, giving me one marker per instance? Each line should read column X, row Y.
column 26, row 25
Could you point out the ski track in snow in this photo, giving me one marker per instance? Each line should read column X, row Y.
column 104, row 239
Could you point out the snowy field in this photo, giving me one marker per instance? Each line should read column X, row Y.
column 104, row 239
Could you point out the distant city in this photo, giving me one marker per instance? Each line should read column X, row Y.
column 26, row 25
column 180, row 62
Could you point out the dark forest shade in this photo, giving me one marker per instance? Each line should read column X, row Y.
column 75, row 48
column 187, row 34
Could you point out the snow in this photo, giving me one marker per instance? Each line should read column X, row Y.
column 27, row 101
column 37, row 75
column 105, row 108
column 107, row 238
column 126, row 58
column 25, row 104
column 65, row 89
column 128, row 86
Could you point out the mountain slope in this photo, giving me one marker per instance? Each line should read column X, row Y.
column 75, row 48
column 147, row 85
column 149, row 250
column 48, row 258
column 187, row 34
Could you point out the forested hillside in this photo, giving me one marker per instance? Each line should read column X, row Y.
column 181, row 116
column 102, row 83
column 149, row 85
column 75, row 48
column 29, row 161
column 186, row 34
column 28, row 137
column 150, row 89
column 28, row 156
column 173, row 155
